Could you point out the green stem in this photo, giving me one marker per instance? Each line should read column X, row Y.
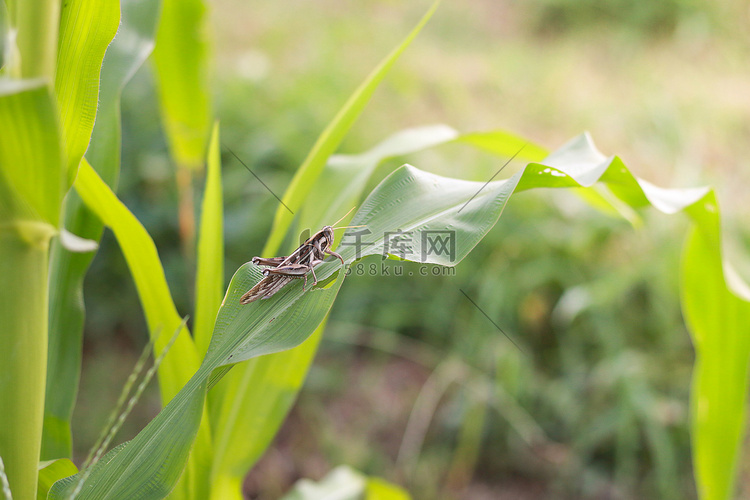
column 23, row 357
column 37, row 22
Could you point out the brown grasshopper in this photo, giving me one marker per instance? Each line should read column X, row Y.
column 282, row 270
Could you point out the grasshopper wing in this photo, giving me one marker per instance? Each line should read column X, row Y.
column 265, row 288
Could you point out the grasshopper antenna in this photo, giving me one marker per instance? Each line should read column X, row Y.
column 344, row 217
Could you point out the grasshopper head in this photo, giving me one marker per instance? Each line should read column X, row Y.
column 327, row 236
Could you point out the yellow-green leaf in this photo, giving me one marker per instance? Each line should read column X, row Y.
column 31, row 180
column 52, row 471
column 719, row 321
column 209, row 283
column 86, row 29
column 181, row 58
column 143, row 260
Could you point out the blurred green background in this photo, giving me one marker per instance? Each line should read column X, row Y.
column 412, row 382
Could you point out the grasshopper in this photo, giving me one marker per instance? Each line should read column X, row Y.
column 280, row 271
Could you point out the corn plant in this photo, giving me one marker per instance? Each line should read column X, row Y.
column 227, row 387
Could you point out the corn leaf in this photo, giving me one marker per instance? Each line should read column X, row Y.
column 86, row 29
column 718, row 316
column 52, row 471
column 330, row 139
column 247, row 409
column 250, row 404
column 67, row 270
column 31, row 182
column 150, row 464
column 181, row 60
column 143, row 260
column 209, row 283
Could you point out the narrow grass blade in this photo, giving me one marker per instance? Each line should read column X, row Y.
column 181, row 61
column 209, row 287
column 330, row 139
column 67, row 270
column 99, row 447
column 209, row 283
column 86, row 29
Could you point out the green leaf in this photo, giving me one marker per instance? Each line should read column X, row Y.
column 247, row 409
column 719, row 320
column 209, row 283
column 181, row 59
column 150, row 464
column 31, row 181
column 67, row 270
column 330, row 139
column 86, row 29
column 143, row 260
column 52, row 471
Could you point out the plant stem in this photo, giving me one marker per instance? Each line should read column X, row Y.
column 23, row 357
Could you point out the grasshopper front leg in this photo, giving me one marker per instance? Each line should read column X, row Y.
column 331, row 252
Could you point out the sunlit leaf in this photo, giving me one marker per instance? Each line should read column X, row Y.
column 31, row 181
column 86, row 29
column 52, row 471
column 209, row 283
column 719, row 321
column 181, row 57
column 143, row 260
